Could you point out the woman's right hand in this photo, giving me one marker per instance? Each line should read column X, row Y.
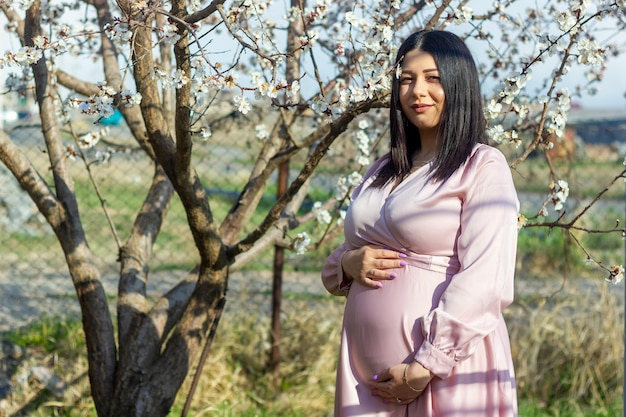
column 370, row 264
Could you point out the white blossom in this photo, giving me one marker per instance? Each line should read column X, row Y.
column 357, row 94
column 179, row 79
column 168, row 34
column 101, row 104
column 118, row 31
column 363, row 142
column 293, row 89
column 579, row 6
column 323, row 216
column 242, row 103
column 206, row 133
column 354, row 179
column 558, row 117
column 25, row 56
column 463, row 15
column 70, row 152
column 387, row 33
column 616, row 274
column 521, row 110
column 493, row 109
column 560, row 192
column 24, row 4
column 129, row 99
column 307, row 41
column 496, row 133
column 104, row 156
column 398, row 71
column 363, row 160
column 90, row 139
column 261, row 132
column 566, row 21
column 589, row 52
column 293, row 13
column 340, row 50
column 300, row 243
column 513, row 85
column 351, row 18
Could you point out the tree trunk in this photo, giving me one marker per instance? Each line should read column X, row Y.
column 148, row 389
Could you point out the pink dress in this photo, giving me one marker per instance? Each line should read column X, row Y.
column 444, row 309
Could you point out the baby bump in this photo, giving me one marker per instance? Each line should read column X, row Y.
column 382, row 325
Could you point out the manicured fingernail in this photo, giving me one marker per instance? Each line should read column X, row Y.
column 402, row 255
column 392, row 275
column 379, row 285
column 402, row 263
column 375, row 377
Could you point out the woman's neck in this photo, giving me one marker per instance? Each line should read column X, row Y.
column 428, row 151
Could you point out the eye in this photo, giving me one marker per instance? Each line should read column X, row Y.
column 433, row 79
column 405, row 80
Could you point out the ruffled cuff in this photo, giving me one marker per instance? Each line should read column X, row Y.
column 434, row 360
column 332, row 273
column 344, row 283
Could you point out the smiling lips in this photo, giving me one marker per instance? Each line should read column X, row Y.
column 421, row 108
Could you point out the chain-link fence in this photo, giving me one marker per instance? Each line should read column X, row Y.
column 111, row 181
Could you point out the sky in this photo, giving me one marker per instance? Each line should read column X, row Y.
column 610, row 95
column 611, row 91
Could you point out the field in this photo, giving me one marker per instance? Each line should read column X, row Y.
column 567, row 346
column 566, row 325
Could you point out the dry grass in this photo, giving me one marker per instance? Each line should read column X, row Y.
column 568, row 351
column 569, row 348
column 236, row 375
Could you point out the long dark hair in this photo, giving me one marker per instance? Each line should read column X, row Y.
column 462, row 121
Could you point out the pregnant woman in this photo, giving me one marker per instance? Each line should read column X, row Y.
column 429, row 254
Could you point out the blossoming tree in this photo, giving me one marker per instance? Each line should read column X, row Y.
column 166, row 62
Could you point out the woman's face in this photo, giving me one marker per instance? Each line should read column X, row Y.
column 421, row 93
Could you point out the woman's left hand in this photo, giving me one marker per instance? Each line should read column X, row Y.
column 392, row 384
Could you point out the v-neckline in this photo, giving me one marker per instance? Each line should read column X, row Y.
column 394, row 187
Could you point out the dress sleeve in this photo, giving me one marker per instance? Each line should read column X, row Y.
column 471, row 306
column 332, row 272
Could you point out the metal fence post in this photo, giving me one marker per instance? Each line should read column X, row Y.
column 277, row 287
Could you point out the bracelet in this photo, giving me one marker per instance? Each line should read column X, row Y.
column 406, row 381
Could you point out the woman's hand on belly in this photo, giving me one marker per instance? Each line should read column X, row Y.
column 370, row 264
column 402, row 383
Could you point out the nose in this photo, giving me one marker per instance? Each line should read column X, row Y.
column 419, row 87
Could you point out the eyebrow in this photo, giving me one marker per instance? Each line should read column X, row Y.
column 408, row 71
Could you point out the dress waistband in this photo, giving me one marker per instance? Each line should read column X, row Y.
column 443, row 264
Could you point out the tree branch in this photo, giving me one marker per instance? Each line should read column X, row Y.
column 204, row 13
column 136, row 254
column 183, row 95
column 97, row 323
column 30, row 180
column 12, row 16
column 581, row 213
column 336, row 128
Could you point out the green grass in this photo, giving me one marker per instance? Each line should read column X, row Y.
column 52, row 335
column 530, row 408
column 568, row 359
column 123, row 184
column 585, row 178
